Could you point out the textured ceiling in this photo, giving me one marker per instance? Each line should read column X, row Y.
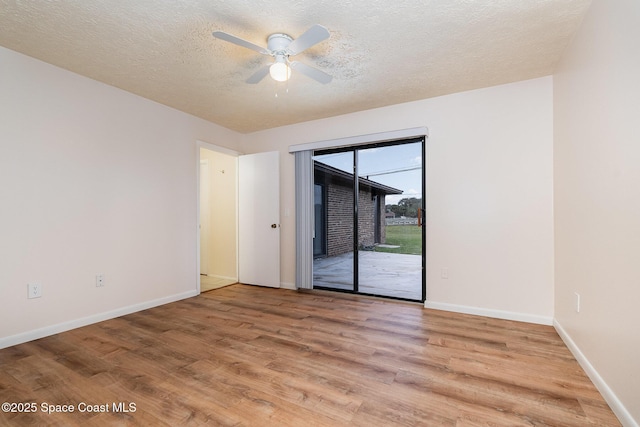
column 380, row 52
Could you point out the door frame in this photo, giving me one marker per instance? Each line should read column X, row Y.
column 363, row 146
column 204, row 224
column 222, row 150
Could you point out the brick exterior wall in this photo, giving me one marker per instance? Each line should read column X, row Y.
column 340, row 219
column 338, row 208
column 366, row 219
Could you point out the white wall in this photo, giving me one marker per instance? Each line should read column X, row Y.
column 92, row 180
column 489, row 191
column 597, row 200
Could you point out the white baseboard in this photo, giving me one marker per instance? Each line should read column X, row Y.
column 609, row 396
column 498, row 314
column 77, row 323
column 217, row 276
column 286, row 285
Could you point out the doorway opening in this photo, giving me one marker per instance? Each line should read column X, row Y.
column 368, row 206
column 218, row 219
column 238, row 236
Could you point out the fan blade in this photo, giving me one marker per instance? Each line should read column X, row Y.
column 314, row 73
column 312, row 36
column 236, row 40
column 259, row 75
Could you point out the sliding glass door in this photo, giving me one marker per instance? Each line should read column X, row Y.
column 369, row 236
column 334, row 219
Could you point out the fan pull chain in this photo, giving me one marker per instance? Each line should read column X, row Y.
column 286, row 89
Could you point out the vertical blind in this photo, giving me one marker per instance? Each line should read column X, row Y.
column 304, row 219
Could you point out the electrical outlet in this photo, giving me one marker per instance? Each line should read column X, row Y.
column 577, row 302
column 99, row 280
column 34, row 290
column 444, row 273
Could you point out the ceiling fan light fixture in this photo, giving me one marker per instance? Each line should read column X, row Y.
column 280, row 71
column 282, row 46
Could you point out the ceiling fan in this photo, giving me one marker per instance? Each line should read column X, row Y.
column 281, row 47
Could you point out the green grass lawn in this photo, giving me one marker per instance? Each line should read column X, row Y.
column 408, row 237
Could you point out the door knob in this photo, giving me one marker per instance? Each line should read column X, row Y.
column 274, row 226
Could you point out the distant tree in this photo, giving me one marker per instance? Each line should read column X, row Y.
column 407, row 207
column 397, row 210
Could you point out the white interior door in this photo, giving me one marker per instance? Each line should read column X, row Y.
column 259, row 219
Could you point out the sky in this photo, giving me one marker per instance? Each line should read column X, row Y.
column 397, row 166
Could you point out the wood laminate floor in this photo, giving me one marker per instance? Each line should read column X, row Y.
column 253, row 356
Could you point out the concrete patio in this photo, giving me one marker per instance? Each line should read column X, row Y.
column 385, row 274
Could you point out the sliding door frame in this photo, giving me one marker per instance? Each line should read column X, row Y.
column 356, row 191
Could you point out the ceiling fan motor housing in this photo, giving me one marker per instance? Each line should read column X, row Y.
column 277, row 43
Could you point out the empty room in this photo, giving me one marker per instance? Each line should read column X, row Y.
column 318, row 213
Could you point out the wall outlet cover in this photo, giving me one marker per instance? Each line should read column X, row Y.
column 34, row 290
